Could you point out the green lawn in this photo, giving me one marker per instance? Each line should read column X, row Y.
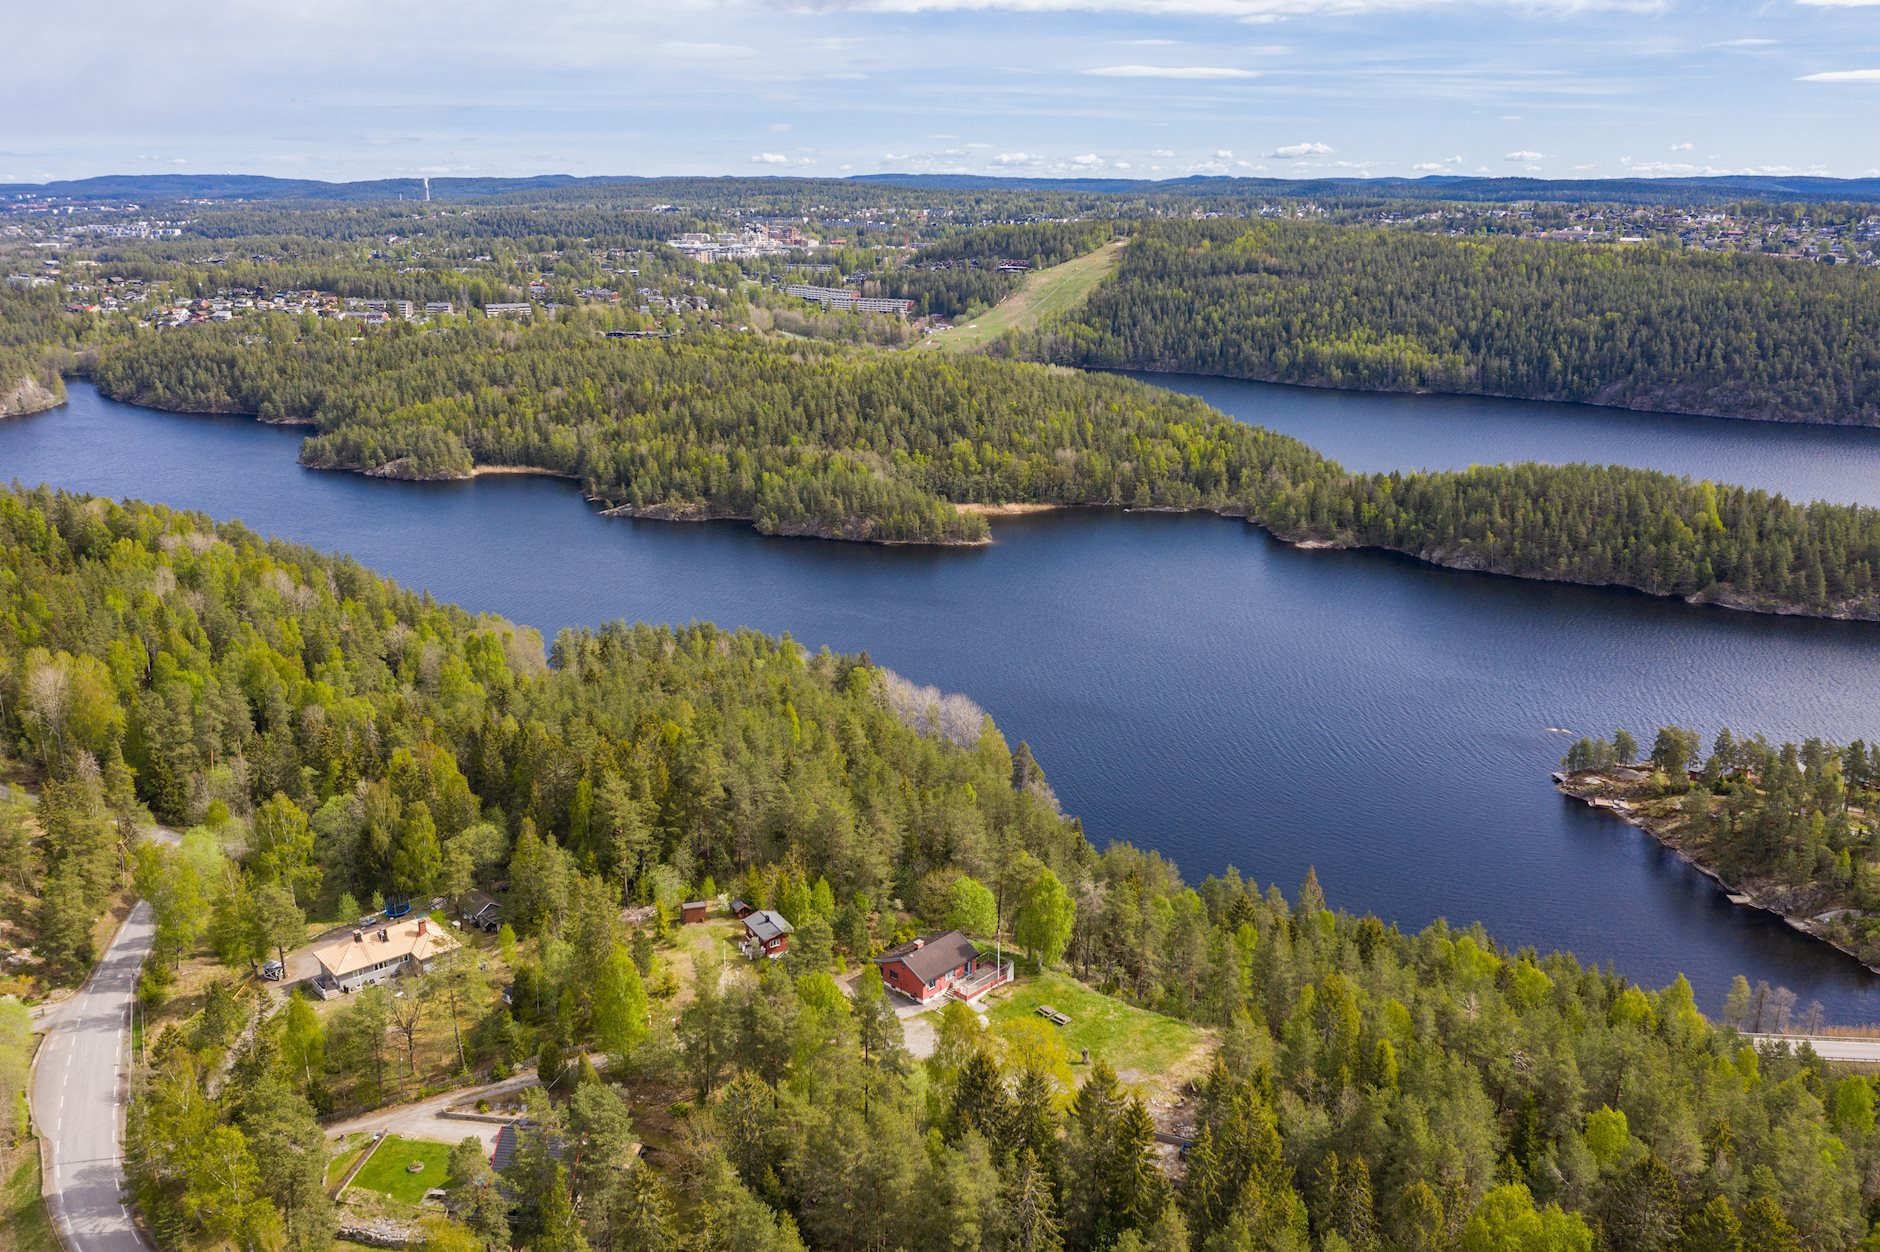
column 1144, row 1048
column 1044, row 294
column 385, row 1172
column 24, row 1225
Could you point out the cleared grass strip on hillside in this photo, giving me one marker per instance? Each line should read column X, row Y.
column 1044, row 294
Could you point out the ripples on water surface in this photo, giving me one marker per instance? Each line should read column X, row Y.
column 1189, row 683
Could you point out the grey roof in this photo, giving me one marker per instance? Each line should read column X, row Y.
column 767, row 925
column 927, row 959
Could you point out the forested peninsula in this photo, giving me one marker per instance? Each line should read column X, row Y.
column 1794, row 829
column 1401, row 310
column 329, row 737
column 35, row 339
column 868, row 445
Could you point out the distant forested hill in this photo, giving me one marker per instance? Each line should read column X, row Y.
column 881, row 446
column 1641, row 328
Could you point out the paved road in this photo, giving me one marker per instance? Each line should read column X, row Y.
column 79, row 1093
column 1829, row 1047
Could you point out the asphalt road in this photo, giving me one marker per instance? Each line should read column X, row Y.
column 1829, row 1047
column 79, row 1095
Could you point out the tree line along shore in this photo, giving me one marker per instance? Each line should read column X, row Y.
column 806, row 439
column 1787, row 828
column 325, row 738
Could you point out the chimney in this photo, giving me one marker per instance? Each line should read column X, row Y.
column 421, row 924
column 919, row 944
column 359, row 936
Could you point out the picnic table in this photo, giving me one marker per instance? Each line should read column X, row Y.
column 1051, row 1014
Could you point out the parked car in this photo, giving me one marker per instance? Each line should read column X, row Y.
column 274, row 971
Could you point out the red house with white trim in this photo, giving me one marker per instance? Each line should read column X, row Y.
column 929, row 968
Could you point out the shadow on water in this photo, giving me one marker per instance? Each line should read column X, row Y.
column 1189, row 683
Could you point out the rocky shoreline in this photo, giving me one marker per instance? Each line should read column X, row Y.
column 26, row 396
column 1803, row 910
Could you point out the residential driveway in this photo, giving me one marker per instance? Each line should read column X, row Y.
column 917, row 1030
column 423, row 1121
column 917, row 1023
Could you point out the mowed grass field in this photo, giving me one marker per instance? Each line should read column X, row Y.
column 385, row 1173
column 1145, row 1049
column 1042, row 295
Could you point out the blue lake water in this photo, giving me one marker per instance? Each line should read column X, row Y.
column 1369, row 432
column 1188, row 683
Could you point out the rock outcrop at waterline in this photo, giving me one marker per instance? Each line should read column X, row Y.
column 28, row 395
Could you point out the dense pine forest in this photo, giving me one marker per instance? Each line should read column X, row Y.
column 1792, row 826
column 1400, row 310
column 327, row 737
column 881, row 446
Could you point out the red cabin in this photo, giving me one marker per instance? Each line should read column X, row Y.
column 929, row 968
column 766, row 934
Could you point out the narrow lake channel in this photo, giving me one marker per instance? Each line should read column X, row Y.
column 1188, row 683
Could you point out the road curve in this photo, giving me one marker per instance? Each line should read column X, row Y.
column 80, row 1090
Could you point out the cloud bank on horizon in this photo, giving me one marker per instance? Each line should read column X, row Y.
column 344, row 89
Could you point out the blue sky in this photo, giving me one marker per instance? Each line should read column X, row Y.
column 1143, row 88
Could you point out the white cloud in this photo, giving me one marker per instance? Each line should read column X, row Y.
column 1293, row 151
column 1842, row 76
column 1162, row 153
column 1437, row 167
column 1682, row 147
column 771, row 158
column 1525, row 157
column 1258, row 12
column 1169, row 71
column 1014, row 158
column 1088, row 160
column 1223, row 154
column 686, row 49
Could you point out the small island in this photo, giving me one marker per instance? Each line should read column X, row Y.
column 1787, row 829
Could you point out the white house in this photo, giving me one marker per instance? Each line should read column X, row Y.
column 363, row 957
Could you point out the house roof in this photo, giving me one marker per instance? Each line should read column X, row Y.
column 475, row 901
column 929, row 958
column 694, row 904
column 419, row 938
column 766, row 925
